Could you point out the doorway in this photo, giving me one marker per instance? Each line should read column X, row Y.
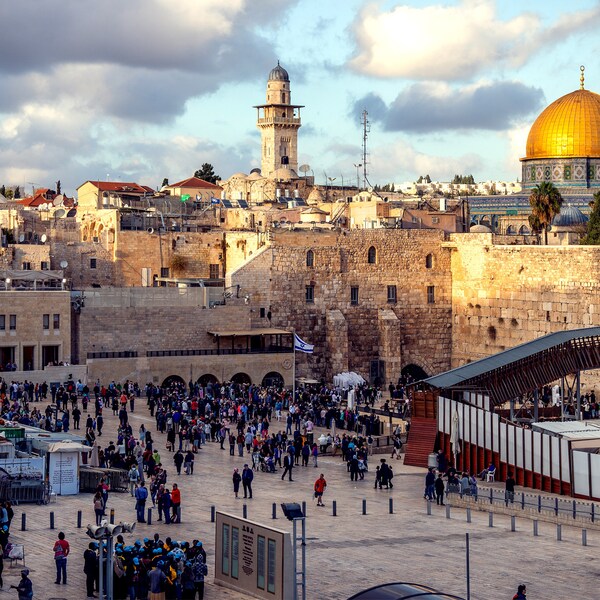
column 28, row 358
column 50, row 355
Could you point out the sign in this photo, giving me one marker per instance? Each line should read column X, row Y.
column 63, row 470
column 185, row 197
column 253, row 558
column 26, row 468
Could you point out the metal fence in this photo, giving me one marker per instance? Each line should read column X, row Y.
column 547, row 505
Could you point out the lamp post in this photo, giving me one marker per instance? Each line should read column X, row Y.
column 358, row 166
column 293, row 512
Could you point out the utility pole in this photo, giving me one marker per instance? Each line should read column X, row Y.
column 366, row 129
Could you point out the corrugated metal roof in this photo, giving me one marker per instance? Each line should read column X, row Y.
column 461, row 375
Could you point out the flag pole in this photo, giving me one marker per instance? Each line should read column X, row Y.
column 294, row 369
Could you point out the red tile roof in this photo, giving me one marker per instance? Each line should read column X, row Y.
column 195, row 182
column 120, row 186
column 34, row 202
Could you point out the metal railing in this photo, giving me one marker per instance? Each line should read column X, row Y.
column 548, row 505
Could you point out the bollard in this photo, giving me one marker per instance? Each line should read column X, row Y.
column 212, row 513
column 334, row 508
column 429, row 508
column 584, row 537
column 556, row 506
column 522, row 500
column 304, row 509
column 78, row 519
column 558, row 532
column 23, row 522
column 535, row 528
column 149, row 517
column 574, row 509
column 491, row 495
column 245, row 511
column 468, row 515
column 364, row 506
column 539, row 503
column 392, row 506
column 447, row 511
column 513, row 523
column 51, row 519
column 112, row 516
column 592, row 517
column 491, row 519
column 274, row 510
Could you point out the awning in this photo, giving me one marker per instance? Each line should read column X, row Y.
column 244, row 332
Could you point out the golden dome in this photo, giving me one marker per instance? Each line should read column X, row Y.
column 569, row 127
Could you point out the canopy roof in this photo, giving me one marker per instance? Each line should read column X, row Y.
column 257, row 331
column 526, row 367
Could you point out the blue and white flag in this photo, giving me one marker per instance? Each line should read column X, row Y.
column 302, row 346
column 214, row 200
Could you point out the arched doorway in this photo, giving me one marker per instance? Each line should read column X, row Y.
column 412, row 373
column 241, row 378
column 173, row 381
column 207, row 378
column 273, row 379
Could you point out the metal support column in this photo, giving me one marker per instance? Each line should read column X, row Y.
column 536, row 409
column 578, row 394
column 302, row 572
column 512, row 410
column 101, row 571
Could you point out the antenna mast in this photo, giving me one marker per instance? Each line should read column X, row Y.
column 366, row 124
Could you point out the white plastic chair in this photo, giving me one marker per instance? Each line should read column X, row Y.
column 490, row 477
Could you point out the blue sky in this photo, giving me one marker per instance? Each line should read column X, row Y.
column 152, row 88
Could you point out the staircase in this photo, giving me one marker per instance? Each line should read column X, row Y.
column 421, row 441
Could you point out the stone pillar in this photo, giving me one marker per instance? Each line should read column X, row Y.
column 336, row 331
column 389, row 344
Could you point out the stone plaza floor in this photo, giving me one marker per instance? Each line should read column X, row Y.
column 346, row 553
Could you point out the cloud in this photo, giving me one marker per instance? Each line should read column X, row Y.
column 457, row 42
column 426, row 107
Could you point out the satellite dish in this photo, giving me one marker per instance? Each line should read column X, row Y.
column 72, row 212
column 64, row 264
column 304, row 169
column 43, row 238
column 58, row 200
column 21, row 238
column 60, row 213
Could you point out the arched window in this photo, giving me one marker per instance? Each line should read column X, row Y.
column 429, row 261
column 372, row 255
column 310, row 259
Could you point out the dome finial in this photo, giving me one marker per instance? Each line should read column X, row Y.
column 582, row 78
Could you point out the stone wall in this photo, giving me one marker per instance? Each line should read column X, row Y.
column 507, row 295
column 422, row 335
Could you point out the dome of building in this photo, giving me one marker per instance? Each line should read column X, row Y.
column 278, row 74
column 569, row 216
column 284, row 174
column 315, row 196
column 570, row 126
column 239, row 176
column 479, row 229
column 254, row 175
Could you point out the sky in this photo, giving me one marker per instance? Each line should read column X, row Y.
column 147, row 89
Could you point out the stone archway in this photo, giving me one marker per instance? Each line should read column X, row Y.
column 241, row 378
column 415, row 372
column 173, row 380
column 207, row 378
column 273, row 379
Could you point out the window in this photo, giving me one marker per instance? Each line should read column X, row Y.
column 310, row 259
column 429, row 261
column 45, row 265
column 271, row 562
column 430, row 294
column 354, row 295
column 46, row 321
column 435, row 220
column 2, row 322
column 93, row 263
column 214, row 271
column 12, row 322
column 263, row 313
column 391, row 294
column 260, row 562
column 235, row 552
column 164, row 271
column 26, row 266
column 310, row 294
column 225, row 549
column 56, row 321
column 372, row 255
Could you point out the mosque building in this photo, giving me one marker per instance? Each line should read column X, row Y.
column 563, row 147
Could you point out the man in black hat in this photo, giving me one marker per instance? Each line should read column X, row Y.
column 25, row 587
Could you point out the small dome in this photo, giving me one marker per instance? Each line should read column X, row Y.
column 278, row 74
column 254, row 175
column 569, row 216
column 479, row 229
column 284, row 174
column 239, row 176
column 315, row 196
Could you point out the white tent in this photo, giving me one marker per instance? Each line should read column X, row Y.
column 347, row 380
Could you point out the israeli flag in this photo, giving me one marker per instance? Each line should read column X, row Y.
column 214, row 200
column 302, row 346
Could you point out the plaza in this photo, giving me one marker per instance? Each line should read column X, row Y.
column 346, row 553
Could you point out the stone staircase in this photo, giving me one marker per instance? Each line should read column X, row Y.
column 421, row 441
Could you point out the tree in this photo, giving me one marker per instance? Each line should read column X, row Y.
column 166, row 181
column 592, row 236
column 3, row 190
column 427, row 179
column 207, row 172
column 545, row 201
column 58, row 188
column 17, row 193
column 9, row 194
column 420, row 180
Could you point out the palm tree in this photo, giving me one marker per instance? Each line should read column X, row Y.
column 545, row 201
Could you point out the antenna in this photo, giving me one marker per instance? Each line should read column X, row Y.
column 366, row 124
column 64, row 264
column 304, row 169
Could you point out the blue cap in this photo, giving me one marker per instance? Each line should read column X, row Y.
column 160, row 564
column 198, row 544
column 146, row 540
column 138, row 543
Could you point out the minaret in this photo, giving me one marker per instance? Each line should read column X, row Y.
column 278, row 121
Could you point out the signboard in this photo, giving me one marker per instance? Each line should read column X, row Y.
column 26, row 468
column 253, row 558
column 63, row 469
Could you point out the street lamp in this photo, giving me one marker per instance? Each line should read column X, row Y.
column 293, row 512
column 358, row 166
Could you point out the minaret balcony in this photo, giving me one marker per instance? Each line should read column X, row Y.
column 279, row 121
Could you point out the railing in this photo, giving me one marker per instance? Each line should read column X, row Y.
column 547, row 505
column 284, row 120
column 123, row 354
column 218, row 352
